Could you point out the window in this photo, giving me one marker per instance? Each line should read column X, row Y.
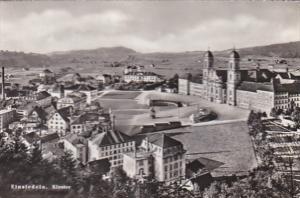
column 141, row 163
column 171, row 167
column 175, row 165
column 175, row 173
column 166, row 168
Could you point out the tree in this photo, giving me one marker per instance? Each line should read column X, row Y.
column 68, row 166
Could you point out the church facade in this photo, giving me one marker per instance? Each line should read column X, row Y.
column 237, row 87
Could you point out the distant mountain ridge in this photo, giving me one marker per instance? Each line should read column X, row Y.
column 283, row 50
column 108, row 55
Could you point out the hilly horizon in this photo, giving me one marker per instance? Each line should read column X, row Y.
column 104, row 56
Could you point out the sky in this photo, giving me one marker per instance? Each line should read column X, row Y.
column 146, row 26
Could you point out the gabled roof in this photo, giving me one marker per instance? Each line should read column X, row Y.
column 109, row 138
column 162, row 140
column 40, row 112
column 50, row 137
column 65, row 113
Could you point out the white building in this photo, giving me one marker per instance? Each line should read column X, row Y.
column 59, row 121
column 164, row 154
column 6, row 117
column 111, row 145
column 142, row 77
column 90, row 92
column 70, row 101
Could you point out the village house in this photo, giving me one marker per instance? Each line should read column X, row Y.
column 77, row 145
column 59, row 121
column 89, row 91
column 73, row 100
column 47, row 76
column 86, row 122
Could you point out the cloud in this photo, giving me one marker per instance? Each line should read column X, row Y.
column 58, row 30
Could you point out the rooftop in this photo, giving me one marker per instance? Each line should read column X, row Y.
column 162, row 140
column 254, row 86
column 109, row 138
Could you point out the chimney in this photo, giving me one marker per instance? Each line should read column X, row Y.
column 3, row 84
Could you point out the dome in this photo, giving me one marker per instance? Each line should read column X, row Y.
column 234, row 54
column 208, row 54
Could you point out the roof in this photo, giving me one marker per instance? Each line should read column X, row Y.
column 197, row 78
column 81, row 87
column 195, row 166
column 75, row 139
column 65, row 112
column 290, row 88
column 42, row 95
column 284, row 75
column 254, row 86
column 47, row 71
column 104, row 164
column 208, row 54
column 31, row 137
column 162, row 140
column 86, row 117
column 50, row 137
column 15, row 93
column 234, row 54
column 40, row 112
column 56, row 87
column 28, row 107
column 109, row 138
column 141, row 73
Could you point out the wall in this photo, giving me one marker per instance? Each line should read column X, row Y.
column 260, row 101
column 183, row 86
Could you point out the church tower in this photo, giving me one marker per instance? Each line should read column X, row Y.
column 207, row 67
column 233, row 77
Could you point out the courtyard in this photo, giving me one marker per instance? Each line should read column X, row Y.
column 225, row 141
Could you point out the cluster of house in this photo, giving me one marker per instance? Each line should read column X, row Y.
column 139, row 74
column 257, row 89
column 62, row 118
